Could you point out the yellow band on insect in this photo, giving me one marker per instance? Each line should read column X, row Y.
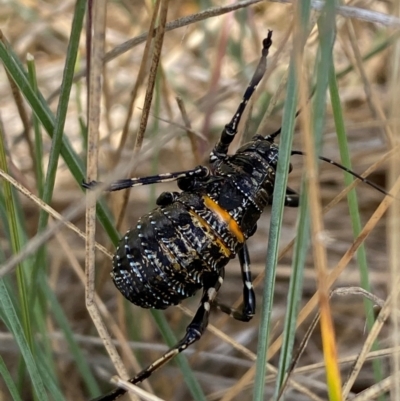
column 225, row 217
column 211, row 233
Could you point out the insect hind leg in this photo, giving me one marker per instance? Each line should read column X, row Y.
column 249, row 298
column 193, row 333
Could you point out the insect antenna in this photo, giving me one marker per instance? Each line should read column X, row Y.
column 347, row 170
column 272, row 136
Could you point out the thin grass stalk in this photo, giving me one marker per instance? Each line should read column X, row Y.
column 393, row 229
column 17, row 239
column 23, row 115
column 303, row 234
column 139, row 80
column 275, row 229
column 39, row 311
column 155, row 132
column 354, row 212
column 57, row 139
column 38, row 144
column 79, row 107
column 294, row 294
column 158, row 42
column 317, row 229
column 326, row 35
column 156, row 54
column 327, row 31
column 96, row 39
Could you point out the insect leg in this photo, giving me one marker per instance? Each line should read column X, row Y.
column 249, row 299
column 292, row 198
column 193, row 333
column 198, row 172
column 221, row 148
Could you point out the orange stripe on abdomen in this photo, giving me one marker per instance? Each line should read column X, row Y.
column 224, row 216
column 208, row 231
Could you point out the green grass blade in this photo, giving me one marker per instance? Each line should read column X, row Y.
column 13, row 324
column 78, row 356
column 59, row 123
column 354, row 212
column 36, row 129
column 40, row 308
column 57, row 140
column 275, row 229
column 16, row 240
column 62, row 108
column 49, row 379
column 295, row 291
column 327, row 36
column 282, row 172
column 8, row 380
column 46, row 118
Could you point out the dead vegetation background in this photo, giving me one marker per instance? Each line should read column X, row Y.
column 207, row 64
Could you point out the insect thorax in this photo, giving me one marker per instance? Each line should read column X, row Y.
column 249, row 177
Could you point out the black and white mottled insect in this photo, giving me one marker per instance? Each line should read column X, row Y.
column 184, row 244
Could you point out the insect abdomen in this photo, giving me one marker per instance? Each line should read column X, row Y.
column 173, row 251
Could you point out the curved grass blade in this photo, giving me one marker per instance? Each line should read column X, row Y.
column 13, row 324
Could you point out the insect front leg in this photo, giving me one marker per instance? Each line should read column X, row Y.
column 193, row 333
column 221, row 148
column 198, row 172
column 249, row 298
